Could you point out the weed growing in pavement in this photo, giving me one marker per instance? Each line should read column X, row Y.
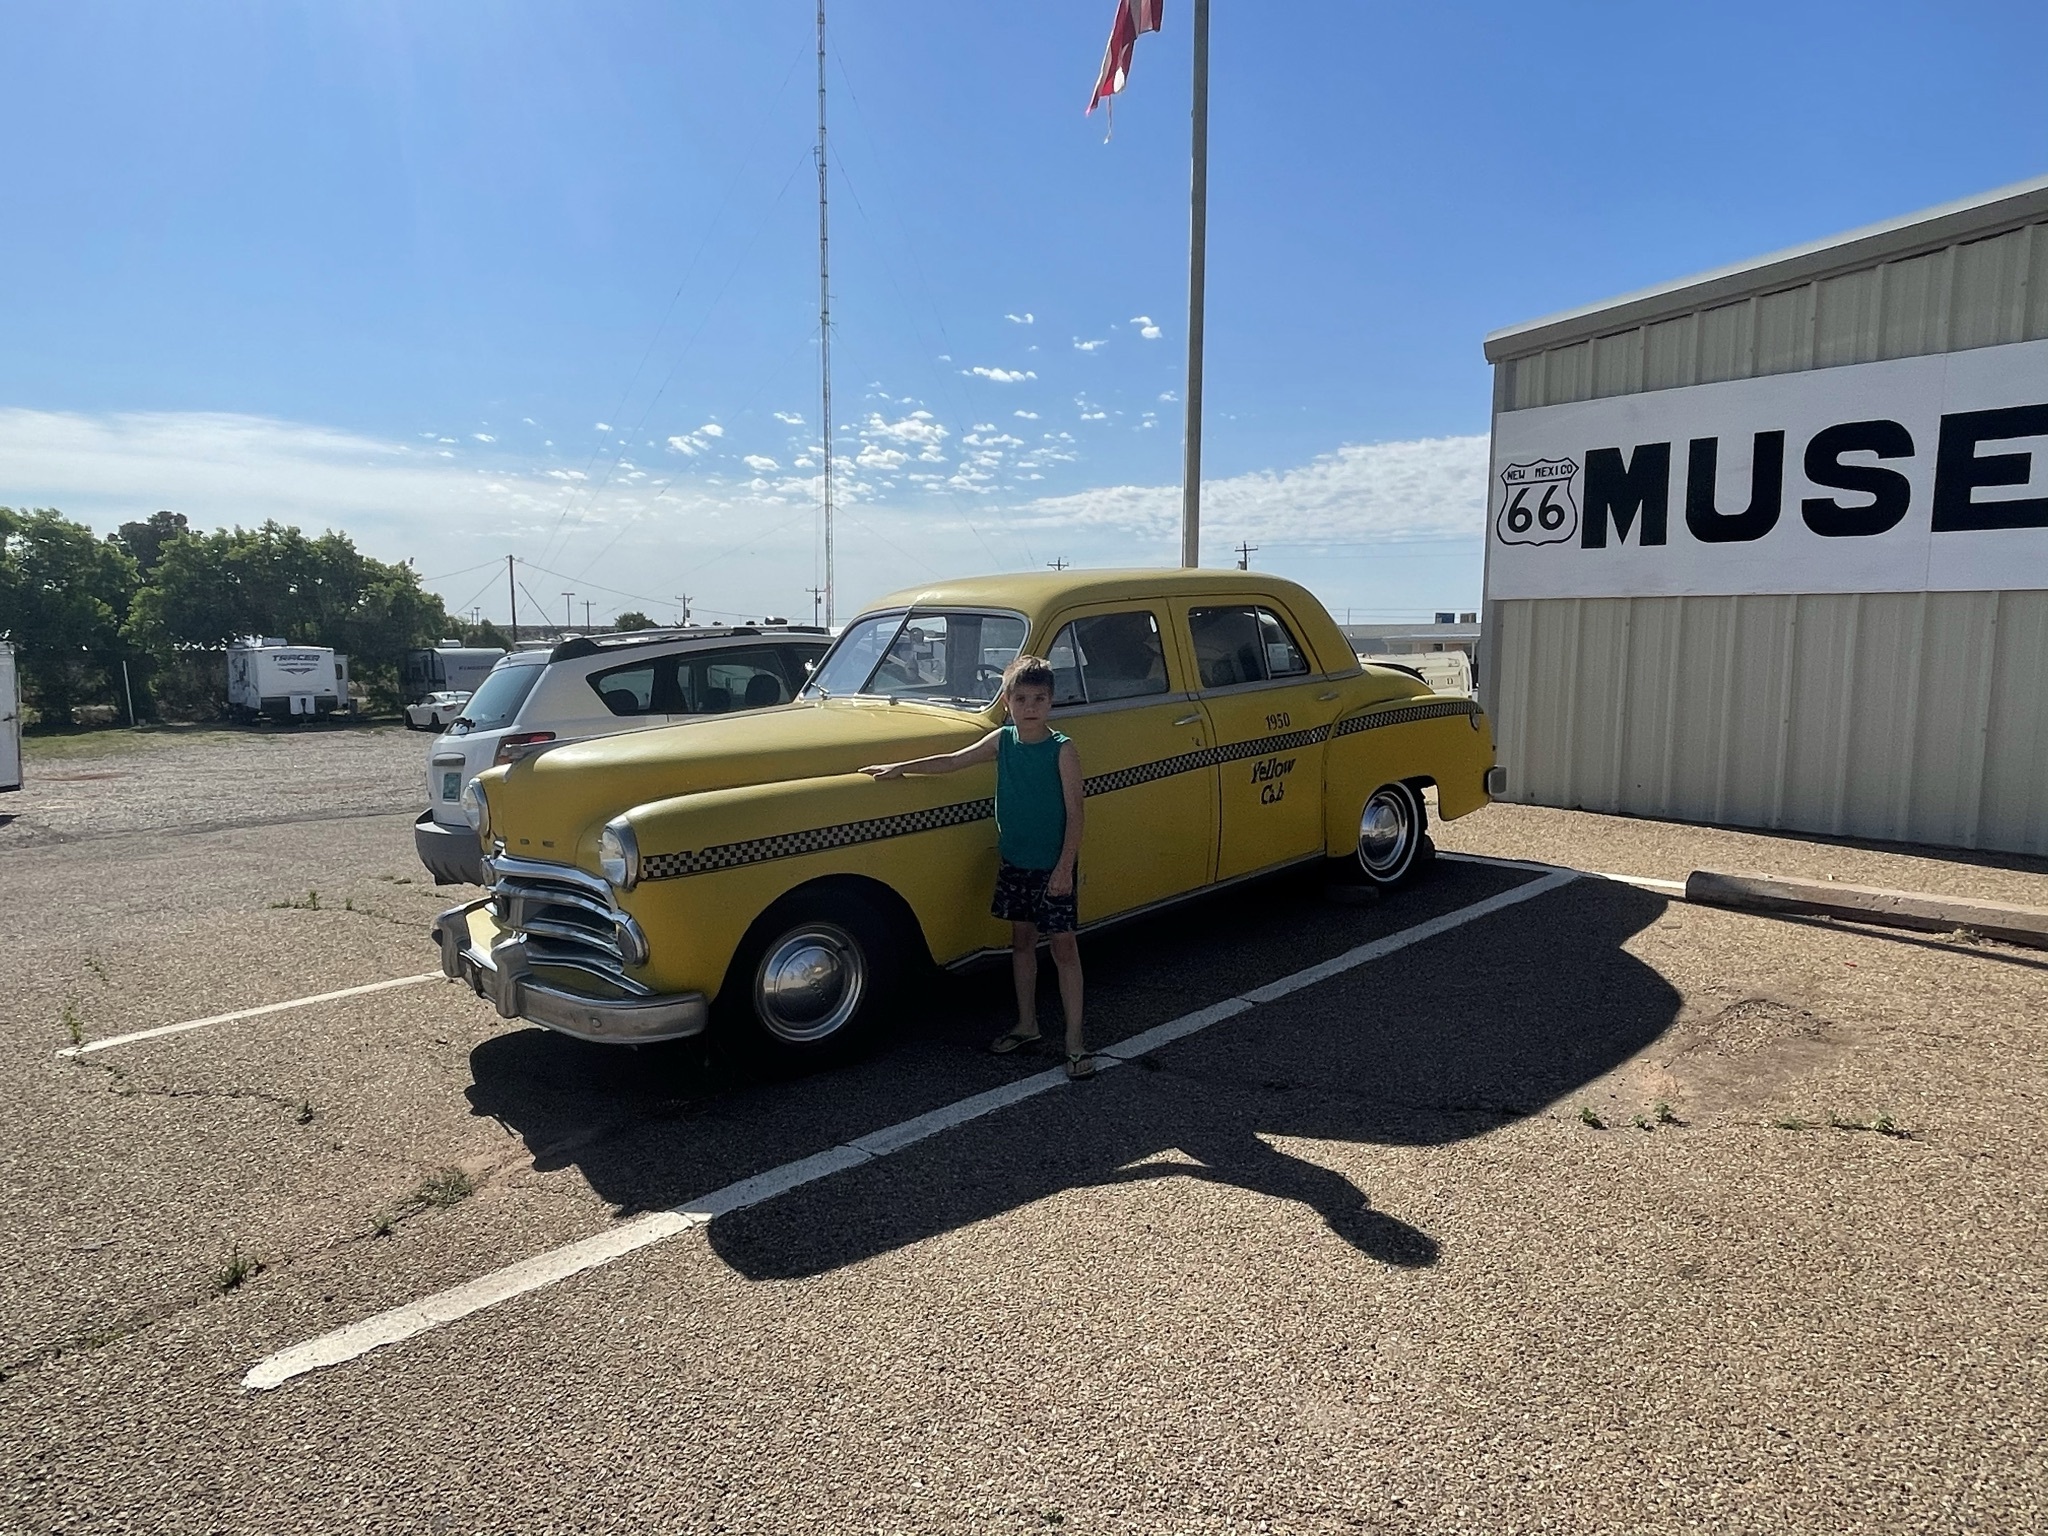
column 1964, row 936
column 1053, row 1517
column 238, row 1271
column 74, row 1026
column 1792, row 1123
column 305, row 1114
column 383, row 1224
column 310, row 904
column 1587, row 1117
column 1883, row 1125
column 348, row 903
column 451, row 1186
column 1643, row 1122
column 92, row 964
column 1664, row 1114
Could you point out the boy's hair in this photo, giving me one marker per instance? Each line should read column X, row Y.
column 1027, row 672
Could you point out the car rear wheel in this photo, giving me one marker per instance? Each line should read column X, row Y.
column 814, row 977
column 1390, row 834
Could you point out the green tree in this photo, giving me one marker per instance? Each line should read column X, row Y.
column 62, row 596
column 209, row 589
column 487, row 635
column 632, row 618
column 145, row 541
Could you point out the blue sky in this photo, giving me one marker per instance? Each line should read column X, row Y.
column 388, row 267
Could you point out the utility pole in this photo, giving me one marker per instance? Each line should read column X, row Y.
column 1244, row 556
column 683, row 610
column 568, row 611
column 1198, row 246
column 1057, row 564
column 825, row 318
column 586, row 615
column 512, row 586
column 817, row 598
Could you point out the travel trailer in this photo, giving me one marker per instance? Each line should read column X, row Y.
column 267, row 678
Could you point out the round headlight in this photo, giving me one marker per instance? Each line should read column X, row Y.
column 475, row 808
column 618, row 854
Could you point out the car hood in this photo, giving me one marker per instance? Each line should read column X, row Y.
column 553, row 802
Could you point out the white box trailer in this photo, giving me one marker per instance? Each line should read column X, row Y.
column 266, row 677
column 10, row 719
column 449, row 667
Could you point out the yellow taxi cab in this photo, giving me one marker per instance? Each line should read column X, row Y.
column 742, row 868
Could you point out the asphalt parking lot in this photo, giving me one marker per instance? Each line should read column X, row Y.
column 1592, row 1210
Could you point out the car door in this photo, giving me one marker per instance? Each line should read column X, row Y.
column 1122, row 695
column 1270, row 714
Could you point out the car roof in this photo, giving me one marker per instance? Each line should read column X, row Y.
column 1038, row 590
column 631, row 640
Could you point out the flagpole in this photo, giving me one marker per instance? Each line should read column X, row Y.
column 1198, row 241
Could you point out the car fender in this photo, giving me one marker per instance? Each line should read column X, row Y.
column 1414, row 737
column 713, row 862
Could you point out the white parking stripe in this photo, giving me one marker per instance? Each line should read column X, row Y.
column 1640, row 882
column 90, row 1046
column 414, row 1318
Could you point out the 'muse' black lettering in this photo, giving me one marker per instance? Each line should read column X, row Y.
column 1959, row 469
column 1766, row 492
column 1889, row 491
column 1621, row 491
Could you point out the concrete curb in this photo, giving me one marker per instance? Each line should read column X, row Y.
column 1869, row 904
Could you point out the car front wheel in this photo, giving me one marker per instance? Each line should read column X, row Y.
column 1390, row 834
column 814, row 976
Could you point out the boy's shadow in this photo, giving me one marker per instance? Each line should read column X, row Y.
column 1446, row 1044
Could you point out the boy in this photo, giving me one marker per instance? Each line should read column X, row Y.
column 1038, row 834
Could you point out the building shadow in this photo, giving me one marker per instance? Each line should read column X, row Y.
column 1448, row 1040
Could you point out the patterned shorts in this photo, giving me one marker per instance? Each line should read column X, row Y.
column 1021, row 898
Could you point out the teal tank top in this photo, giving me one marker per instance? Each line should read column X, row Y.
column 1031, row 809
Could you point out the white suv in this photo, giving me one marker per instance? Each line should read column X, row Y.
column 599, row 685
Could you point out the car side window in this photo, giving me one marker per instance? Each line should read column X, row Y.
column 741, row 680
column 1110, row 656
column 1283, row 656
column 1230, row 646
column 627, row 690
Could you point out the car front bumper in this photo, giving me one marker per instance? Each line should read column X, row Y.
column 504, row 974
column 453, row 855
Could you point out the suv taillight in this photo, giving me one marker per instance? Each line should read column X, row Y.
column 513, row 748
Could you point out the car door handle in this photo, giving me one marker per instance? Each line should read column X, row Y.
column 1327, row 697
column 1189, row 719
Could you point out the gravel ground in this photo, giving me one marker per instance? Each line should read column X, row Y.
column 184, row 778
column 1391, row 1255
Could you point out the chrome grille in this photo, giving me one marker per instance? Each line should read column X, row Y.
column 566, row 916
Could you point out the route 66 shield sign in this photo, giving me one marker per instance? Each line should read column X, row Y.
column 1536, row 504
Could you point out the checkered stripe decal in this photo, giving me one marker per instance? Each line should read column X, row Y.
column 1434, row 710
column 788, row 845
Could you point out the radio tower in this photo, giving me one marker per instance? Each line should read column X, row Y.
column 824, row 318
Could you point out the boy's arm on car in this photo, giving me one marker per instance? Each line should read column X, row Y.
column 983, row 751
column 1061, row 881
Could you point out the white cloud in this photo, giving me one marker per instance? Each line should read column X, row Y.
column 760, row 462
column 1001, row 375
column 603, row 426
column 684, row 445
column 1089, row 346
column 711, row 429
column 1423, row 488
column 1025, row 415
column 789, row 418
column 483, row 437
column 1027, row 318
column 1169, row 396
column 918, row 427
column 529, row 421
column 1145, row 326
column 1095, row 415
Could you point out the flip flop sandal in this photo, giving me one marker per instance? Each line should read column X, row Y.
column 1080, row 1066
column 1015, row 1040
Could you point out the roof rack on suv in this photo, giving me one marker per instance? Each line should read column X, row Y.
column 594, row 645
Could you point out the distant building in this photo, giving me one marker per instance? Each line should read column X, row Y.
column 1769, row 546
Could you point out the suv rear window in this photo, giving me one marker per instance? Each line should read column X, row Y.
column 704, row 682
column 496, row 702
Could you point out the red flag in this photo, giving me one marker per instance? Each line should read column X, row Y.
column 1132, row 17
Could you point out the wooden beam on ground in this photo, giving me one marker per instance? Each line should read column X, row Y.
column 1870, row 904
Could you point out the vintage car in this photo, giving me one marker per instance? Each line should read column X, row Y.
column 745, row 871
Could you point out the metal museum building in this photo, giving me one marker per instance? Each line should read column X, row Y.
column 1769, row 546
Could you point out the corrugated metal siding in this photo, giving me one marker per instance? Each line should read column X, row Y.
column 1917, row 717
column 1982, row 293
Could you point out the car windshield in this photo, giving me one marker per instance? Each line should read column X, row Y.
column 497, row 701
column 941, row 656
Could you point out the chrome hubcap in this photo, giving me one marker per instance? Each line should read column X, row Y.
column 1384, row 832
column 810, row 983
